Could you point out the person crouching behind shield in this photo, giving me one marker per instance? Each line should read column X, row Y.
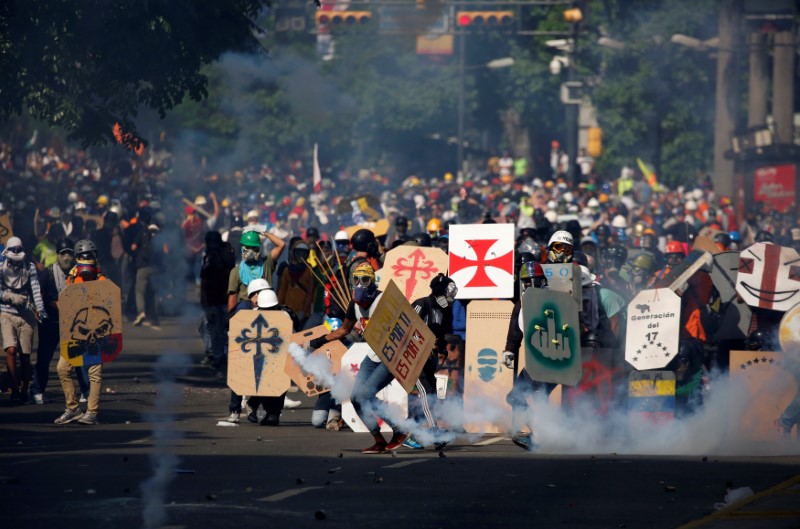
column 373, row 375
column 85, row 269
column 531, row 275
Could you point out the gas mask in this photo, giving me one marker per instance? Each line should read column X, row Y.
column 66, row 260
column 86, row 270
column 364, row 295
column 449, row 296
column 559, row 253
column 250, row 255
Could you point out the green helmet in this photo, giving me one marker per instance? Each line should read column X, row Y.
column 644, row 261
column 250, row 238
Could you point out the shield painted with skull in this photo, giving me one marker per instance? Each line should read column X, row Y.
column 258, row 346
column 482, row 260
column 90, row 323
column 769, row 276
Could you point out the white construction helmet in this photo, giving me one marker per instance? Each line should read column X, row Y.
column 267, row 299
column 341, row 235
column 619, row 222
column 257, row 285
column 561, row 236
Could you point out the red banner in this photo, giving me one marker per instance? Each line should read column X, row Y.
column 775, row 186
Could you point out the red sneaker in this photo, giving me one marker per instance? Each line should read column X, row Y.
column 377, row 448
column 397, row 441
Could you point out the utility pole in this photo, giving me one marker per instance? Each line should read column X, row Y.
column 730, row 15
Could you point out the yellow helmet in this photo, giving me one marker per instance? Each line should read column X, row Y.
column 102, row 200
column 434, row 226
column 448, row 177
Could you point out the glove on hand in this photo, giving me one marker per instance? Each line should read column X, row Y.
column 508, row 359
column 316, row 343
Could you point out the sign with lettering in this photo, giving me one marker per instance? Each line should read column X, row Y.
column 482, row 260
column 565, row 277
column 258, row 345
column 654, row 327
column 552, row 339
column 399, row 336
column 90, row 323
column 775, row 187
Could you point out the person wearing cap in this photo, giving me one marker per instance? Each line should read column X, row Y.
column 149, row 261
column 21, row 307
column 85, row 269
column 255, row 263
column 53, row 280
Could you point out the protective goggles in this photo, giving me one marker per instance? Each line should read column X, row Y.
column 86, row 256
column 364, row 281
column 16, row 249
column 562, row 247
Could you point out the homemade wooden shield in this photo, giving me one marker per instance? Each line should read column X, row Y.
column 333, row 351
column 565, row 277
column 654, row 327
column 487, row 381
column 552, row 336
column 97, row 219
column 679, row 275
column 393, row 395
column 258, row 346
column 482, row 260
column 412, row 268
column 769, row 276
column 90, row 323
column 735, row 313
column 379, row 228
column 789, row 333
column 769, row 388
column 651, row 396
column 5, row 229
column 706, row 244
column 399, row 337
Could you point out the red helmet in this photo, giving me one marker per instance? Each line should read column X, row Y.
column 675, row 247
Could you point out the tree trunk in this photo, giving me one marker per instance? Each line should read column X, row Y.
column 517, row 134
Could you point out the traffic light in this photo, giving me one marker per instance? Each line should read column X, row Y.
column 594, row 144
column 484, row 19
column 573, row 15
column 343, row 18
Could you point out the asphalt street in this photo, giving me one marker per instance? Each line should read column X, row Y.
column 159, row 459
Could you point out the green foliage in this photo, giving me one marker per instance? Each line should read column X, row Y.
column 86, row 65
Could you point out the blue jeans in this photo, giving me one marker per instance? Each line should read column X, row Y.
column 214, row 332
column 372, row 377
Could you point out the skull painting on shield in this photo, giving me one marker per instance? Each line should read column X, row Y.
column 91, row 336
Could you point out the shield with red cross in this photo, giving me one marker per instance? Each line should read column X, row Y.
column 482, row 260
column 769, row 276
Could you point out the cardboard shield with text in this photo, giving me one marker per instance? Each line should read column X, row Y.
column 769, row 276
column 399, row 336
column 654, row 328
column 393, row 396
column 565, row 277
column 552, row 339
column 487, row 381
column 769, row 387
column 5, row 229
column 90, row 323
column 412, row 268
column 482, row 260
column 258, row 346
column 735, row 314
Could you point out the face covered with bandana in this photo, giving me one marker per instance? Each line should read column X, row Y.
column 14, row 252
column 365, row 290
